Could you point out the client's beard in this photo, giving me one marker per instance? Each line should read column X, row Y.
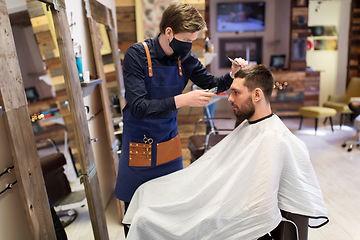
column 247, row 111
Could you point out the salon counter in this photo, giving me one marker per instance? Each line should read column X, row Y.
column 293, row 90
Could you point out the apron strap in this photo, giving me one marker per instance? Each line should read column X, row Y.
column 148, row 58
column 149, row 61
column 179, row 64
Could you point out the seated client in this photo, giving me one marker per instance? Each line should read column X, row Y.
column 355, row 107
column 237, row 189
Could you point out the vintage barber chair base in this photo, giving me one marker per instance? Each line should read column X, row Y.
column 355, row 142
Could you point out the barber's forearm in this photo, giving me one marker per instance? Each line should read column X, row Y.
column 152, row 108
column 225, row 83
column 180, row 100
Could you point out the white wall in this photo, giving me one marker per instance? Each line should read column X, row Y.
column 80, row 32
column 15, row 5
column 331, row 64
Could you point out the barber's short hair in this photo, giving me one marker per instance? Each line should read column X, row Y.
column 182, row 18
column 257, row 76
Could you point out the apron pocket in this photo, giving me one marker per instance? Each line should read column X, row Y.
column 168, row 151
column 139, row 155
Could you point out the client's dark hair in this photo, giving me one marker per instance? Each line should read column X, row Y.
column 257, row 76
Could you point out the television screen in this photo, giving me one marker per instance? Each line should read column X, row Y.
column 241, row 17
column 31, row 94
column 277, row 61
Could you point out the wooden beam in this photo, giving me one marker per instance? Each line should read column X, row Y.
column 94, row 8
column 125, row 3
column 35, row 9
column 103, row 88
column 81, row 130
column 20, row 135
column 117, row 61
column 98, row 12
column 20, row 18
column 55, row 3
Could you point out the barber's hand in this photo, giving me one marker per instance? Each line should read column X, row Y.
column 196, row 98
column 235, row 68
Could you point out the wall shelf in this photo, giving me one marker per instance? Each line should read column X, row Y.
column 209, row 57
column 88, row 87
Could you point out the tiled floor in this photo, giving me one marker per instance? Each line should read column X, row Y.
column 337, row 171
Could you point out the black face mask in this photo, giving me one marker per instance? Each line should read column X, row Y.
column 180, row 48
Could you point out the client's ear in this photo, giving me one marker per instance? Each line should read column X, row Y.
column 257, row 94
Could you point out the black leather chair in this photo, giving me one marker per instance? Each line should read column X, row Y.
column 58, row 187
column 295, row 228
column 355, row 107
column 198, row 144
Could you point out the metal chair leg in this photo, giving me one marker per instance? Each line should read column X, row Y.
column 301, row 120
column 341, row 119
column 325, row 120
column 331, row 123
column 316, row 125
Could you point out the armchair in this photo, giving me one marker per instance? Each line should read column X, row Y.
column 58, row 189
column 340, row 102
column 295, row 227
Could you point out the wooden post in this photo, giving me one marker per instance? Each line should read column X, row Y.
column 77, row 111
column 103, row 88
column 98, row 13
column 20, row 135
column 116, row 56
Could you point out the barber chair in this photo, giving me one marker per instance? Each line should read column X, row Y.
column 295, row 227
column 60, row 196
column 198, row 144
column 340, row 102
column 356, row 141
column 355, row 107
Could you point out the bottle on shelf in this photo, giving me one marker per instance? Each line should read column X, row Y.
column 78, row 58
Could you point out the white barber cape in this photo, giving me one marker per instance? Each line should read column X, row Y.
column 234, row 191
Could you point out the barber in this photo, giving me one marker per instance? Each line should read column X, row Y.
column 155, row 74
column 355, row 107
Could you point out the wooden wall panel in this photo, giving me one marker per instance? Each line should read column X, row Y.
column 39, row 24
column 126, row 24
column 298, row 34
column 125, row 3
column 35, row 9
column 354, row 41
column 302, row 90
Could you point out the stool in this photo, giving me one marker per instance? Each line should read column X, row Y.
column 317, row 112
column 355, row 142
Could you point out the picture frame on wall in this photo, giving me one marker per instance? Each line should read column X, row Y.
column 150, row 12
column 246, row 48
column 104, row 41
